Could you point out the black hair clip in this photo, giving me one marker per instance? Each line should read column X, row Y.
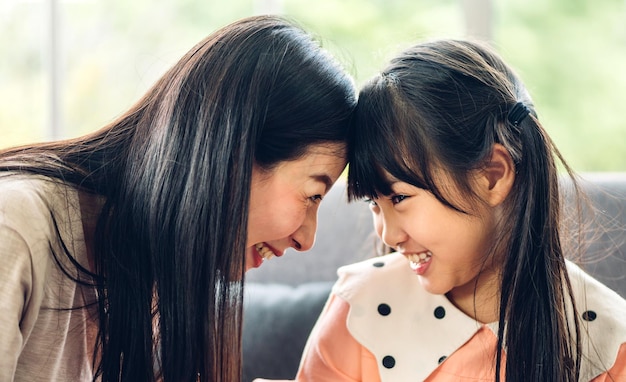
column 518, row 112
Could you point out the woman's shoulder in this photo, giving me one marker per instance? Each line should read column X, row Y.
column 25, row 227
column 10, row 180
column 28, row 202
column 22, row 194
column 23, row 190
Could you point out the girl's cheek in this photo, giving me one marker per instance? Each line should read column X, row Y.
column 378, row 224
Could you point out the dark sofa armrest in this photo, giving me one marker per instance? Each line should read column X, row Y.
column 277, row 321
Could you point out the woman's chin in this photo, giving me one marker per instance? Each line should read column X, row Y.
column 253, row 259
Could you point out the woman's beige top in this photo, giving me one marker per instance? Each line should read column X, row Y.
column 45, row 333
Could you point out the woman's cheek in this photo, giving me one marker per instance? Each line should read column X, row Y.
column 290, row 222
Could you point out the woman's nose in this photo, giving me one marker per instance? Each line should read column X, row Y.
column 304, row 238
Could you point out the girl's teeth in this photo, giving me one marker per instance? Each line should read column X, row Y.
column 415, row 259
column 264, row 251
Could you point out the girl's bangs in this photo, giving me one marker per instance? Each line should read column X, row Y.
column 380, row 151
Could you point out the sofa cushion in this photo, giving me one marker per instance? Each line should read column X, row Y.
column 276, row 323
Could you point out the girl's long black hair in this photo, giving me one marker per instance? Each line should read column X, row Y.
column 174, row 174
column 444, row 104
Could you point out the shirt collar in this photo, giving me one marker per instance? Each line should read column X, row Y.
column 390, row 313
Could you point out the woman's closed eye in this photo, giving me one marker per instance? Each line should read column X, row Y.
column 316, row 198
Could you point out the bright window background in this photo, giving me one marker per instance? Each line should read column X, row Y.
column 67, row 67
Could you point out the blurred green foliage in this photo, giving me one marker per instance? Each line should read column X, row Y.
column 570, row 53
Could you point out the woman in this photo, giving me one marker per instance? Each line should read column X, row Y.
column 123, row 251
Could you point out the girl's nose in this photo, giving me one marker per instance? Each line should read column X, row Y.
column 392, row 233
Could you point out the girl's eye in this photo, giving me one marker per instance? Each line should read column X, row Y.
column 370, row 201
column 397, row 198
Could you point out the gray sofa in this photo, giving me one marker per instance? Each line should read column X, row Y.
column 284, row 296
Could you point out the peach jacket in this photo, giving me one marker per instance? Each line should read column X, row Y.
column 379, row 324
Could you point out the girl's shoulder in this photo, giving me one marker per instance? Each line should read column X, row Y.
column 596, row 302
column 357, row 277
column 601, row 314
column 587, row 289
column 389, row 281
column 408, row 330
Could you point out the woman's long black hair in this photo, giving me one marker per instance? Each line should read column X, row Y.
column 444, row 104
column 174, row 173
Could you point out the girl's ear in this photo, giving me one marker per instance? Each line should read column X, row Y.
column 497, row 176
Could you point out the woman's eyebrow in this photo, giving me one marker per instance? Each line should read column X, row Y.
column 323, row 178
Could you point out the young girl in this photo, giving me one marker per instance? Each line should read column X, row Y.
column 123, row 252
column 463, row 184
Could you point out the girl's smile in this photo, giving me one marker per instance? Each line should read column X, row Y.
column 447, row 249
column 419, row 261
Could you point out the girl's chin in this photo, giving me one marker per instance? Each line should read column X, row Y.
column 433, row 288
